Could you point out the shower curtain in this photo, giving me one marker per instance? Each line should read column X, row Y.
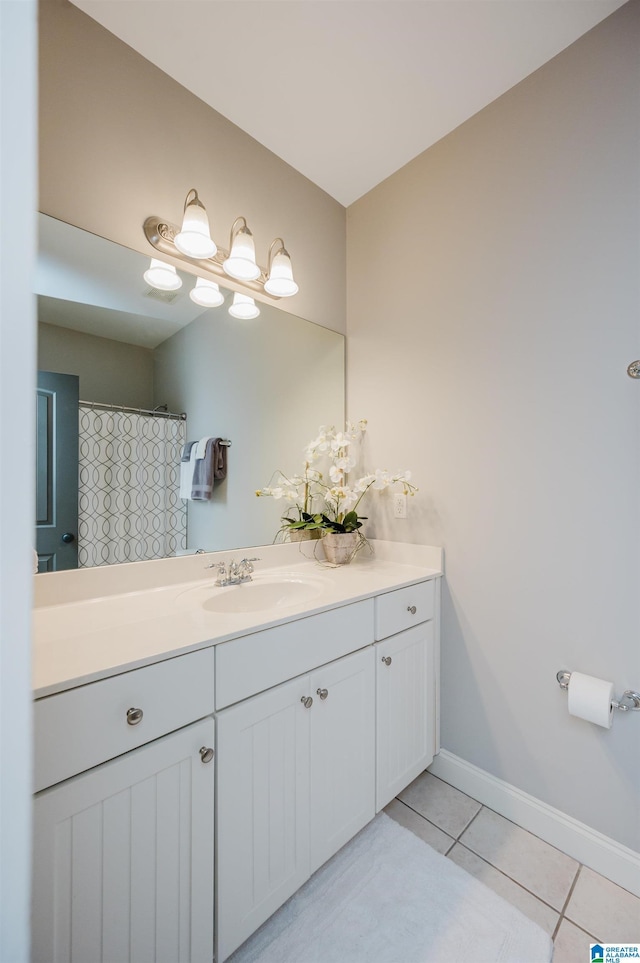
column 129, row 505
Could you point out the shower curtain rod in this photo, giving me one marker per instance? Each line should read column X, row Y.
column 135, row 411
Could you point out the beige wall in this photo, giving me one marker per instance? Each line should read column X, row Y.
column 120, row 140
column 492, row 311
column 111, row 372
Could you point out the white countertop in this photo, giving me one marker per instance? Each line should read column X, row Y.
column 82, row 638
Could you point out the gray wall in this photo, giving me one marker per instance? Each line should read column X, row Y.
column 120, row 140
column 266, row 384
column 110, row 371
column 18, row 149
column 492, row 362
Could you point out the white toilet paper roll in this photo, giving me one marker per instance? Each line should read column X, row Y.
column 590, row 699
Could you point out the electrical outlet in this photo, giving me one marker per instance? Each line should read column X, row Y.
column 399, row 505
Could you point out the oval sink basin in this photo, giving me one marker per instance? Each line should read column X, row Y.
column 262, row 594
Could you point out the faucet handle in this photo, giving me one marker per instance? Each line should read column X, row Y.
column 246, row 564
column 219, row 565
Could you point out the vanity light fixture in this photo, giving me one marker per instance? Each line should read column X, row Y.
column 280, row 282
column 194, row 238
column 162, row 276
column 206, row 293
column 243, row 307
column 239, row 262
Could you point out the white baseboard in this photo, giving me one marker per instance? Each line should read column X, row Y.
column 603, row 854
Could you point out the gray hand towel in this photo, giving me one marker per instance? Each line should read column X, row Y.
column 186, row 451
column 212, row 467
column 219, row 460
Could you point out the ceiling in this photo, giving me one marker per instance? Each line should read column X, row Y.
column 348, row 91
column 89, row 284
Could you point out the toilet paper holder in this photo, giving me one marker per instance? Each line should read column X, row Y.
column 628, row 696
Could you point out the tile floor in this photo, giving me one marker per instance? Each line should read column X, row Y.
column 572, row 903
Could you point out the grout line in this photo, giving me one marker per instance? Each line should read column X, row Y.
column 592, row 938
column 512, row 879
column 473, row 818
column 458, row 839
column 566, row 902
column 417, row 812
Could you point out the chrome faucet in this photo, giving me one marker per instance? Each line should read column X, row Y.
column 238, row 572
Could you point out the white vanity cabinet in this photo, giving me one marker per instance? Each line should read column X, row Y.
column 406, row 686
column 318, row 719
column 124, row 851
column 296, row 777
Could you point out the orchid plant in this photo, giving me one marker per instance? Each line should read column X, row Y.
column 321, row 497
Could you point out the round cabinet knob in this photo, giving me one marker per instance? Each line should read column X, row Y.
column 387, row 659
column 206, row 754
column 323, row 693
column 412, row 609
column 134, row 716
column 68, row 538
column 306, row 701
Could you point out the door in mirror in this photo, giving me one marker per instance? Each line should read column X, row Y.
column 57, row 471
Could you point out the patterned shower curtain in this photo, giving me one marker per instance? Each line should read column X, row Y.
column 129, row 505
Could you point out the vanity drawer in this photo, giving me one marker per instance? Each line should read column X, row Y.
column 80, row 728
column 395, row 610
column 262, row 660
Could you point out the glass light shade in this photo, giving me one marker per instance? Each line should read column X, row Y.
column 194, row 239
column 206, row 293
column 280, row 282
column 241, row 263
column 162, row 276
column 243, row 307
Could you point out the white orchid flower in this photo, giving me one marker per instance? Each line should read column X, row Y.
column 341, row 496
column 363, row 483
column 382, row 479
column 341, row 440
column 354, row 431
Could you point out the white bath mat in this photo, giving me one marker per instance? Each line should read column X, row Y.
column 388, row 897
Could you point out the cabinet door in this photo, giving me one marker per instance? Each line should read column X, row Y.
column 262, row 809
column 123, row 858
column 405, row 723
column 342, row 752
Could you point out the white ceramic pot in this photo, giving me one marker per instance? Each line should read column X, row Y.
column 340, row 547
column 303, row 534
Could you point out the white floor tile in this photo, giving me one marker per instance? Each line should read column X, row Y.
column 420, row 826
column 603, row 908
column 532, row 907
column 571, row 945
column 539, row 867
column 450, row 809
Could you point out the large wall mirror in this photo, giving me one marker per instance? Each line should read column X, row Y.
column 125, row 349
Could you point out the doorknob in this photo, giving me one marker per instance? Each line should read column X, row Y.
column 68, row 537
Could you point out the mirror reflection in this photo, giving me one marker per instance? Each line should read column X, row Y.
column 128, row 375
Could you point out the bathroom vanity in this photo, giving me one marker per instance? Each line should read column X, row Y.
column 186, row 734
